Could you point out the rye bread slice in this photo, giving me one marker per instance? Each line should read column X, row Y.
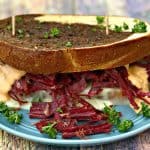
column 90, row 48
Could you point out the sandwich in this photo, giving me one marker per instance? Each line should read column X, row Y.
column 65, row 69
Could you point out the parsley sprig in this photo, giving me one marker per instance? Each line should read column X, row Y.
column 114, row 118
column 11, row 115
column 125, row 26
column 145, row 111
column 125, row 125
column 20, row 33
column 54, row 32
column 100, row 19
column 19, row 19
column 139, row 27
column 50, row 130
column 46, row 35
column 68, row 44
column 113, row 115
column 117, row 28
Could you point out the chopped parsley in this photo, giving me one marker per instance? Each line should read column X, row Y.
column 9, row 27
column 50, row 130
column 117, row 28
column 100, row 19
column 20, row 33
column 114, row 119
column 145, row 111
column 46, row 35
column 113, row 115
column 11, row 115
column 125, row 26
column 54, row 32
column 3, row 107
column 125, row 125
column 18, row 19
column 139, row 27
column 68, row 44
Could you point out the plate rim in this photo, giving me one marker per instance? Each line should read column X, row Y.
column 75, row 142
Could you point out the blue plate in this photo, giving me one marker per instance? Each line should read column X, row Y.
column 27, row 130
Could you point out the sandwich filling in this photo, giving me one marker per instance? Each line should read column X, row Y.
column 112, row 86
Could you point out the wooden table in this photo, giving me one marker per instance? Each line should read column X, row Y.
column 139, row 142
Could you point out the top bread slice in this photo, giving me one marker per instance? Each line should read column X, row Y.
column 77, row 59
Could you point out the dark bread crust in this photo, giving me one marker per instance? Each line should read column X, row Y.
column 75, row 59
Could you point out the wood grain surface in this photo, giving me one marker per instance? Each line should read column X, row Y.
column 139, row 142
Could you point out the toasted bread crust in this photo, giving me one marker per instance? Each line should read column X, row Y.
column 75, row 59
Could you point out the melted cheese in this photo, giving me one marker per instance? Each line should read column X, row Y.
column 13, row 104
column 109, row 96
column 8, row 75
column 113, row 96
column 139, row 77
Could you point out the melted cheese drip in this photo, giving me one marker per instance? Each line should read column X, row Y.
column 139, row 77
column 109, row 96
column 8, row 75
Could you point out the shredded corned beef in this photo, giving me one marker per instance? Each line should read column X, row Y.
column 81, row 131
column 68, row 107
column 44, row 111
column 64, row 93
